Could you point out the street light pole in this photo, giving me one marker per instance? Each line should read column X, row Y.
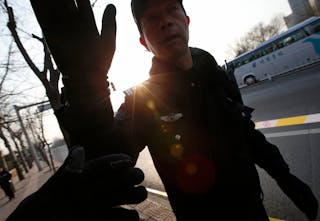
column 31, row 147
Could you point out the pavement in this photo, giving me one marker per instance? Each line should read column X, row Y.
column 32, row 181
column 155, row 208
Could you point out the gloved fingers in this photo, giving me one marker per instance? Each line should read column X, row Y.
column 109, row 25
column 67, row 8
column 120, row 213
column 53, row 13
column 131, row 176
column 75, row 161
column 133, row 195
column 108, row 34
column 118, row 180
column 57, row 20
column 70, row 171
column 112, row 162
column 86, row 14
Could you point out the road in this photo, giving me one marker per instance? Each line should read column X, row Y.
column 295, row 94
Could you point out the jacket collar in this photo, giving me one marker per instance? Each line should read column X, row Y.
column 200, row 59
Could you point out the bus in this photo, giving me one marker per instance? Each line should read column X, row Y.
column 297, row 47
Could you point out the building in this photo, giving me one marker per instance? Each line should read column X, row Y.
column 301, row 10
column 315, row 5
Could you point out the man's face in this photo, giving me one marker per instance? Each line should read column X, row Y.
column 165, row 29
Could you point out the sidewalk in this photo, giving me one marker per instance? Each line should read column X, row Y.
column 154, row 208
column 33, row 180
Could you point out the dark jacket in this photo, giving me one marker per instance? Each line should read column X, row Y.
column 198, row 135
column 5, row 183
column 5, row 176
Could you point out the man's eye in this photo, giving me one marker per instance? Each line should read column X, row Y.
column 152, row 18
column 174, row 8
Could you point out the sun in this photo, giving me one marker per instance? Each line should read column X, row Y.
column 129, row 68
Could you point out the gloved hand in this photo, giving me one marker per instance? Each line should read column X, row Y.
column 300, row 194
column 86, row 191
column 70, row 31
column 83, row 55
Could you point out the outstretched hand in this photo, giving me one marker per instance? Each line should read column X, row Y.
column 83, row 55
column 71, row 33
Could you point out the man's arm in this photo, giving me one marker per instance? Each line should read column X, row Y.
column 267, row 156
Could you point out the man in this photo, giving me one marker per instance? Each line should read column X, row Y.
column 201, row 139
column 6, row 183
column 200, row 136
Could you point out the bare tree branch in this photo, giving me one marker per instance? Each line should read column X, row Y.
column 50, row 75
column 258, row 34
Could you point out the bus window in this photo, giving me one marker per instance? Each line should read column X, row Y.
column 299, row 35
column 287, row 41
column 313, row 28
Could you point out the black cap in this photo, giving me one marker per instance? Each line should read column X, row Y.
column 139, row 6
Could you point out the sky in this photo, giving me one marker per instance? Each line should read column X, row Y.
column 214, row 26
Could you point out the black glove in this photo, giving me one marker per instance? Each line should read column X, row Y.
column 300, row 194
column 78, row 48
column 83, row 55
column 86, row 191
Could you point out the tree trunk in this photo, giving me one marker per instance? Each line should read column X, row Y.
column 13, row 156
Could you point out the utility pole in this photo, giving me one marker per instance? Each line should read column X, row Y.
column 31, row 147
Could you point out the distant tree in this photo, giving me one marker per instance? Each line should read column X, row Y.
column 39, row 131
column 13, row 156
column 49, row 75
column 4, row 102
column 258, row 34
column 19, row 149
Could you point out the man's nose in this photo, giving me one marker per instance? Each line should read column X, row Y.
column 165, row 23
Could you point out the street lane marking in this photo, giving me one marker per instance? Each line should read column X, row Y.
column 158, row 192
column 289, row 121
column 274, row 219
column 293, row 133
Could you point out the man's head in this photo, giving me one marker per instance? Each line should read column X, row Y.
column 139, row 6
column 163, row 26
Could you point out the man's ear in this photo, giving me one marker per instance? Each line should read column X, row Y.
column 143, row 42
column 188, row 20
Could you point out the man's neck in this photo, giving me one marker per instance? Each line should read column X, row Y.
column 182, row 63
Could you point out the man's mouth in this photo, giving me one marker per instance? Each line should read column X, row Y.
column 171, row 38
